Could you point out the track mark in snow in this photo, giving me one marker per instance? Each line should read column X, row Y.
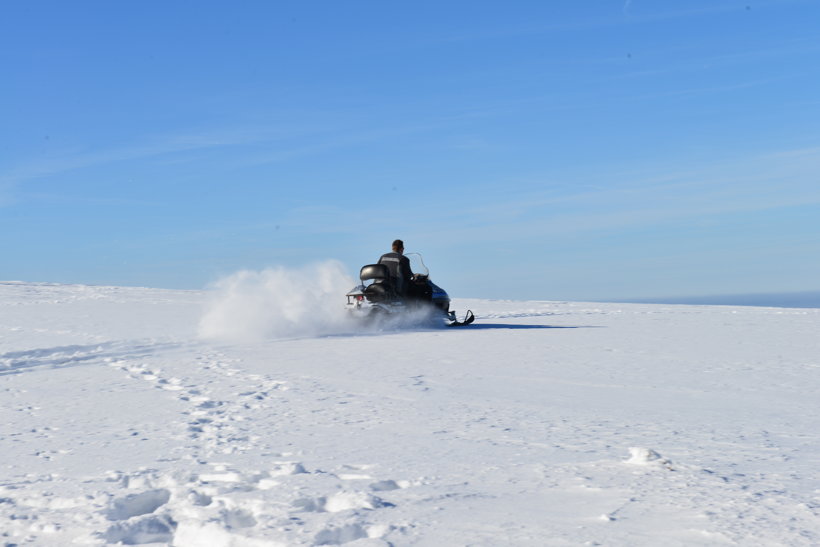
column 215, row 414
column 147, row 529
column 234, row 505
column 419, row 382
column 138, row 504
column 15, row 362
column 354, row 472
column 218, row 502
column 647, row 456
column 341, row 501
column 388, row 485
column 338, row 535
column 342, row 534
column 238, row 518
column 282, row 469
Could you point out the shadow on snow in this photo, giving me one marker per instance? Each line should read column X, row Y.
column 481, row 326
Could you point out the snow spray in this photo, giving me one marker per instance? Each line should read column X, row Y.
column 279, row 303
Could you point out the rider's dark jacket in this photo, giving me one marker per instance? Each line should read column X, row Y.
column 400, row 272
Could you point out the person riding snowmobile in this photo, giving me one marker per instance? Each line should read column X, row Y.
column 395, row 289
column 399, row 267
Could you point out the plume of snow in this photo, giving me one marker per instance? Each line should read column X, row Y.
column 279, row 303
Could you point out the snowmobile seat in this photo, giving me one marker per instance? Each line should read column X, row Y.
column 381, row 289
column 374, row 272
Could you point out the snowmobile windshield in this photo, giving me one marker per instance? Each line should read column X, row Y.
column 417, row 264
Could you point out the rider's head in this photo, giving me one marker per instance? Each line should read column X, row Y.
column 398, row 246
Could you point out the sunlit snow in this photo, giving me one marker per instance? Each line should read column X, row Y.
column 185, row 418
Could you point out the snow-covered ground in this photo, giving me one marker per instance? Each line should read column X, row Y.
column 544, row 423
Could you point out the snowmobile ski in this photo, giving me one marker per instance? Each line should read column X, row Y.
column 468, row 319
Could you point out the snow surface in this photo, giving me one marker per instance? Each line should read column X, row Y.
column 144, row 416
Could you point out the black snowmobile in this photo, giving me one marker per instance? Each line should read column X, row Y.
column 379, row 299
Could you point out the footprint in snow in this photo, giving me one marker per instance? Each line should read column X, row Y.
column 145, row 529
column 388, row 485
column 647, row 456
column 338, row 535
column 135, row 505
column 341, row 501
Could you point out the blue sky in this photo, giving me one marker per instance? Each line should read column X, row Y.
column 539, row 150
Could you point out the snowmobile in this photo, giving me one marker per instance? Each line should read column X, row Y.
column 378, row 299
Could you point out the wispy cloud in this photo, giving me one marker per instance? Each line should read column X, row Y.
column 615, row 202
column 72, row 159
column 811, row 154
column 345, row 135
